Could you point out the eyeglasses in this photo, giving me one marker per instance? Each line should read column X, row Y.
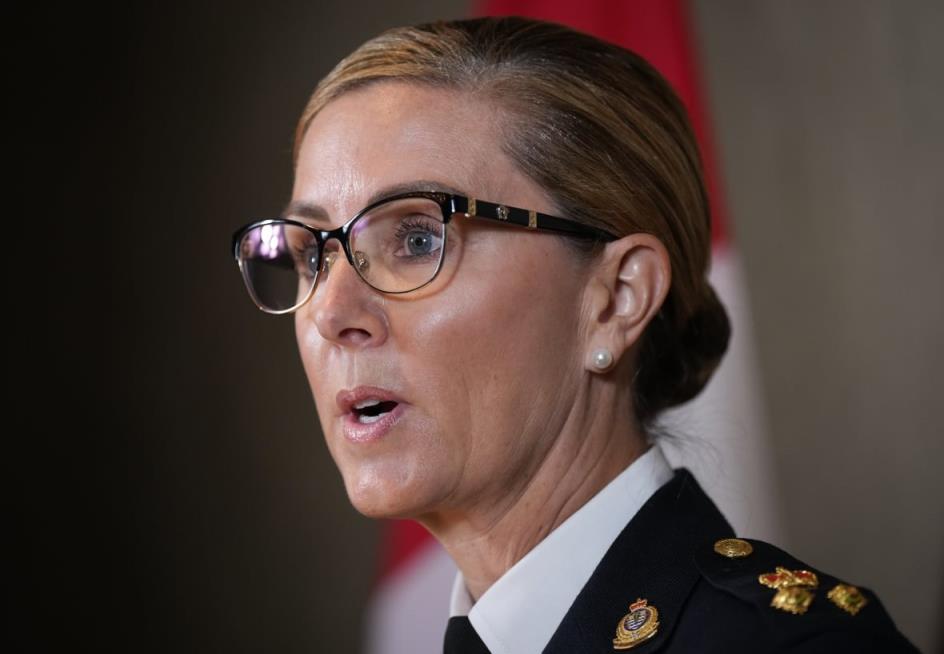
column 396, row 245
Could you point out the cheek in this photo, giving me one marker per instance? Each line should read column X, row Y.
column 502, row 338
column 316, row 361
column 515, row 315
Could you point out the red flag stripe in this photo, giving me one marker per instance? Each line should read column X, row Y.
column 400, row 540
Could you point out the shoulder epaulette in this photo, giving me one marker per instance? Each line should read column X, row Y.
column 796, row 601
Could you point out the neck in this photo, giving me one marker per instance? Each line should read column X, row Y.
column 593, row 448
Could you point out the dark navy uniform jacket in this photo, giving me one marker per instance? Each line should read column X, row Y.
column 707, row 603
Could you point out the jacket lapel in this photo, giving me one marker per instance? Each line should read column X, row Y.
column 652, row 560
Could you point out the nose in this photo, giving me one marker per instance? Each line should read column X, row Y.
column 345, row 310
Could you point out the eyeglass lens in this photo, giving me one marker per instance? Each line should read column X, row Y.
column 397, row 247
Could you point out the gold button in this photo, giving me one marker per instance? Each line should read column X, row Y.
column 733, row 548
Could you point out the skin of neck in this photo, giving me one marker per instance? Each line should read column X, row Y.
column 598, row 440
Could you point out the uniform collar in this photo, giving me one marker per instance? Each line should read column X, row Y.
column 653, row 560
column 519, row 613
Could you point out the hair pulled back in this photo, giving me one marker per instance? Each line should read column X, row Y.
column 607, row 139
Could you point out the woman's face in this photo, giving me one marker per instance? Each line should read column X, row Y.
column 484, row 361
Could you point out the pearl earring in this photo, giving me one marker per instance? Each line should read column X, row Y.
column 602, row 359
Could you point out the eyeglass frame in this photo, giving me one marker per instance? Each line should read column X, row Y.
column 450, row 204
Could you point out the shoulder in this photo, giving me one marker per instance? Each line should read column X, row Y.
column 675, row 581
column 752, row 591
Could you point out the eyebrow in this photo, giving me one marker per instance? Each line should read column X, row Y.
column 311, row 211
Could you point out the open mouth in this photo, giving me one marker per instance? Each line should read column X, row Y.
column 372, row 410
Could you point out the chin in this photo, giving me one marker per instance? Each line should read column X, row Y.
column 385, row 492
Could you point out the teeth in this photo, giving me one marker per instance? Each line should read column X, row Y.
column 366, row 403
column 370, row 419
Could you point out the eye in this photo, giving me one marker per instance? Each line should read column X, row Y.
column 419, row 243
column 305, row 256
column 419, row 237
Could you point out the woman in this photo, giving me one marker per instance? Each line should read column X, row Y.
column 508, row 227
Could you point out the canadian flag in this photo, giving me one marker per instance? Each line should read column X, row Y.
column 722, row 435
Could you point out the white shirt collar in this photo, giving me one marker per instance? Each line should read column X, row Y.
column 520, row 612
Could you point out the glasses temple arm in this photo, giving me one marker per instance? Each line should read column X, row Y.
column 525, row 218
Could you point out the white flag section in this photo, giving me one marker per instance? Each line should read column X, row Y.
column 720, row 436
column 410, row 608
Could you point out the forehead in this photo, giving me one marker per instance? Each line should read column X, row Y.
column 395, row 133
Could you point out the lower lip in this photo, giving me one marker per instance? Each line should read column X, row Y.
column 359, row 432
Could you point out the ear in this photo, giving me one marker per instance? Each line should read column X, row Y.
column 624, row 292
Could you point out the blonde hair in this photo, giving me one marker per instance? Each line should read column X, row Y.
column 603, row 134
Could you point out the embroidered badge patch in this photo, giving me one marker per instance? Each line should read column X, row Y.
column 638, row 625
column 793, row 599
column 783, row 578
column 849, row 598
column 794, row 589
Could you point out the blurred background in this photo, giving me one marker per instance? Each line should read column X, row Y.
column 195, row 506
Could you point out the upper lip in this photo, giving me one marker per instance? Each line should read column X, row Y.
column 348, row 398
